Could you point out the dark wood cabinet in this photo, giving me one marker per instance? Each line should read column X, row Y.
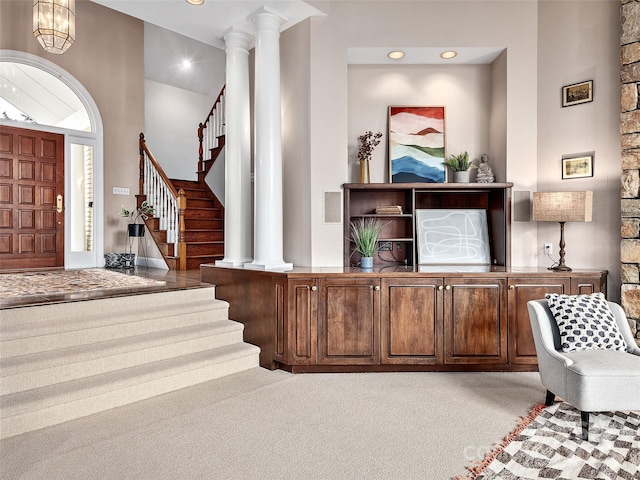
column 394, row 318
column 400, row 316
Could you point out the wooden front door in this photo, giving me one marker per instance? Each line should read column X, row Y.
column 31, row 199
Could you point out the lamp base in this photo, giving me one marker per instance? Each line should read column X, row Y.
column 560, row 268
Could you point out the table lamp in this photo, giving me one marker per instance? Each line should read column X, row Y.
column 562, row 207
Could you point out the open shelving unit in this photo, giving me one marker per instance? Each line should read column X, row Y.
column 362, row 199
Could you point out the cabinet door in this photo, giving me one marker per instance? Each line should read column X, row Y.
column 411, row 321
column 348, row 321
column 521, row 348
column 475, row 321
column 302, row 321
column 587, row 284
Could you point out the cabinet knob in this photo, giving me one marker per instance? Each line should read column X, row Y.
column 314, row 288
column 448, row 287
column 440, row 287
column 376, row 288
column 512, row 287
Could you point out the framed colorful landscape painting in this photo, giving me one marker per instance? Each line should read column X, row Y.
column 416, row 144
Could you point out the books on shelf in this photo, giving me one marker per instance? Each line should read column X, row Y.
column 389, row 210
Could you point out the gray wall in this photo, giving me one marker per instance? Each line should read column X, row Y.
column 580, row 41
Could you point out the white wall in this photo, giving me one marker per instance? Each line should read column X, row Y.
column 464, row 90
column 216, row 177
column 178, row 99
column 172, row 116
column 510, row 25
column 580, row 41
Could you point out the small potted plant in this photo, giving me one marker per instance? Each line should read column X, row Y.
column 364, row 233
column 461, row 166
column 143, row 212
column 135, row 229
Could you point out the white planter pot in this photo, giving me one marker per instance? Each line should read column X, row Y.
column 461, row 177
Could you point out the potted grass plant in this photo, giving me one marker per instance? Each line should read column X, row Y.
column 460, row 166
column 364, row 233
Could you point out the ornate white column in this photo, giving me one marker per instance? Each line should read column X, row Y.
column 237, row 203
column 268, row 223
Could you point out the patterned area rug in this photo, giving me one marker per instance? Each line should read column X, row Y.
column 69, row 281
column 550, row 445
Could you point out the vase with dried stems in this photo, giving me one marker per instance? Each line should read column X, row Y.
column 368, row 141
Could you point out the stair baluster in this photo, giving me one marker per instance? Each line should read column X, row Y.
column 157, row 189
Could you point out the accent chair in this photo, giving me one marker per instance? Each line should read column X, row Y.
column 599, row 380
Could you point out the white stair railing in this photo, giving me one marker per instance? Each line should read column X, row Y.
column 162, row 195
column 210, row 131
column 159, row 195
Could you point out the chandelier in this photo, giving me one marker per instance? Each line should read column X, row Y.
column 54, row 24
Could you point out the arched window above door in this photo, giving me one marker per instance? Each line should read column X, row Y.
column 32, row 95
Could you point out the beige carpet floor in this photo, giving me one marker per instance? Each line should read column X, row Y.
column 267, row 425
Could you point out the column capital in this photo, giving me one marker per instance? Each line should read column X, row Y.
column 266, row 16
column 234, row 37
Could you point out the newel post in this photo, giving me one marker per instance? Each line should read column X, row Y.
column 141, row 143
column 182, row 246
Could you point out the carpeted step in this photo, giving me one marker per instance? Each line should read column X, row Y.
column 67, row 360
column 88, row 322
column 42, row 407
column 46, row 368
column 151, row 302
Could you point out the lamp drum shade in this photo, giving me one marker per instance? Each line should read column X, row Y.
column 562, row 206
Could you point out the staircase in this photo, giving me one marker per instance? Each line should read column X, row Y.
column 64, row 361
column 204, row 227
column 188, row 223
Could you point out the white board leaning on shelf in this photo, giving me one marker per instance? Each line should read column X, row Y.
column 452, row 236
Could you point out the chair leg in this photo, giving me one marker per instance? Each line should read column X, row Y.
column 550, row 398
column 584, row 416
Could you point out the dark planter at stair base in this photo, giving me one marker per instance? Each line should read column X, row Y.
column 135, row 230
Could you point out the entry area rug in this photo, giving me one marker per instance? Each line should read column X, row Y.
column 548, row 444
column 54, row 282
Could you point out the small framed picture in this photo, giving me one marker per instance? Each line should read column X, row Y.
column 577, row 167
column 577, row 93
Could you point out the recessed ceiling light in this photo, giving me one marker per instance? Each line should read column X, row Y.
column 395, row 55
column 449, row 54
column 186, row 63
column 195, row 2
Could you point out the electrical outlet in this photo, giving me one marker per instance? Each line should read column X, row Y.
column 548, row 249
column 385, row 246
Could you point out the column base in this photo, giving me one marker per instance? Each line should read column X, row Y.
column 276, row 266
column 231, row 263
